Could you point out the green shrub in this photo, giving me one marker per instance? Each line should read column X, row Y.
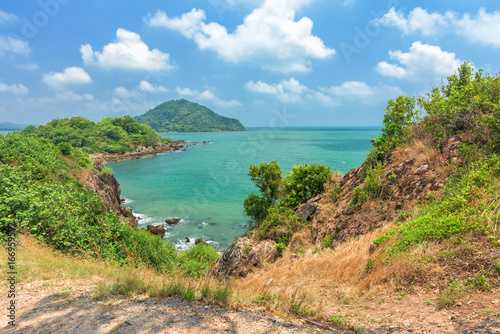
column 328, row 241
column 399, row 115
column 452, row 215
column 358, row 197
column 303, row 183
column 374, row 180
column 197, row 260
column 280, row 224
column 267, row 178
column 335, row 194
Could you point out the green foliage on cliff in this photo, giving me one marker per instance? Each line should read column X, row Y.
column 468, row 106
column 303, row 183
column 110, row 135
column 40, row 195
column 267, row 178
column 184, row 116
column 272, row 210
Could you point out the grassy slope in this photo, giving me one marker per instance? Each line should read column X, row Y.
column 445, row 245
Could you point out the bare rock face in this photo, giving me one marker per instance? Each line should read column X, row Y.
column 157, row 230
column 305, row 210
column 200, row 241
column 242, row 257
column 172, row 221
column 108, row 189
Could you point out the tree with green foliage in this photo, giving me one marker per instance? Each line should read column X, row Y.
column 399, row 114
column 267, row 178
column 303, row 183
column 110, row 135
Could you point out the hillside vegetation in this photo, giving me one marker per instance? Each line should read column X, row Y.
column 42, row 193
column 184, row 116
column 421, row 213
column 110, row 135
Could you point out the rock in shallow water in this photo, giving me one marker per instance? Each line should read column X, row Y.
column 157, row 230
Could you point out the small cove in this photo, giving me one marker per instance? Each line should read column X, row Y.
column 206, row 184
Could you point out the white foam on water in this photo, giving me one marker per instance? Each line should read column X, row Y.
column 127, row 201
column 144, row 219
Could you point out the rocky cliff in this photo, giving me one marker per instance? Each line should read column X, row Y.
column 412, row 174
column 108, row 189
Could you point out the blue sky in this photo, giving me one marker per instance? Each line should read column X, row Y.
column 265, row 62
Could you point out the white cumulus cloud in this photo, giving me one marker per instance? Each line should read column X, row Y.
column 17, row 89
column 128, row 51
column 70, row 76
column 419, row 20
column 483, row 28
column 7, row 17
column 208, row 95
column 422, row 59
column 352, row 88
column 13, row 45
column 287, row 91
column 146, row 86
column 269, row 36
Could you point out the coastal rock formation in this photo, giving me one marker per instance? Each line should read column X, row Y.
column 410, row 176
column 156, row 230
column 108, row 189
column 242, row 257
column 200, row 241
column 140, row 152
column 172, row 221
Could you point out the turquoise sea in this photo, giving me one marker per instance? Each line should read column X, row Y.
column 205, row 185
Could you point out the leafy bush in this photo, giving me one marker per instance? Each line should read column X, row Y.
column 267, row 178
column 358, row 197
column 399, row 115
column 197, row 260
column 373, row 180
column 303, row 183
column 279, row 225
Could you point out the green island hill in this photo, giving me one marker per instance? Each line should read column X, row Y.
column 185, row 116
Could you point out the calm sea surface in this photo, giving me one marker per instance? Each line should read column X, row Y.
column 205, row 185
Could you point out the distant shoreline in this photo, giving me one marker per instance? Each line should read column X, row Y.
column 139, row 152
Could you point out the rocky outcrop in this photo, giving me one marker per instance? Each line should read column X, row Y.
column 306, row 210
column 158, row 230
column 200, row 241
column 108, row 189
column 409, row 177
column 141, row 152
column 242, row 257
column 172, row 221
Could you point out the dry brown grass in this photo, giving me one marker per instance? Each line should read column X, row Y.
column 39, row 264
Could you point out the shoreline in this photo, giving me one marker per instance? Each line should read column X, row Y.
column 139, row 152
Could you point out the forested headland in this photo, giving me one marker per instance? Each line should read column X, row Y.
column 185, row 116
